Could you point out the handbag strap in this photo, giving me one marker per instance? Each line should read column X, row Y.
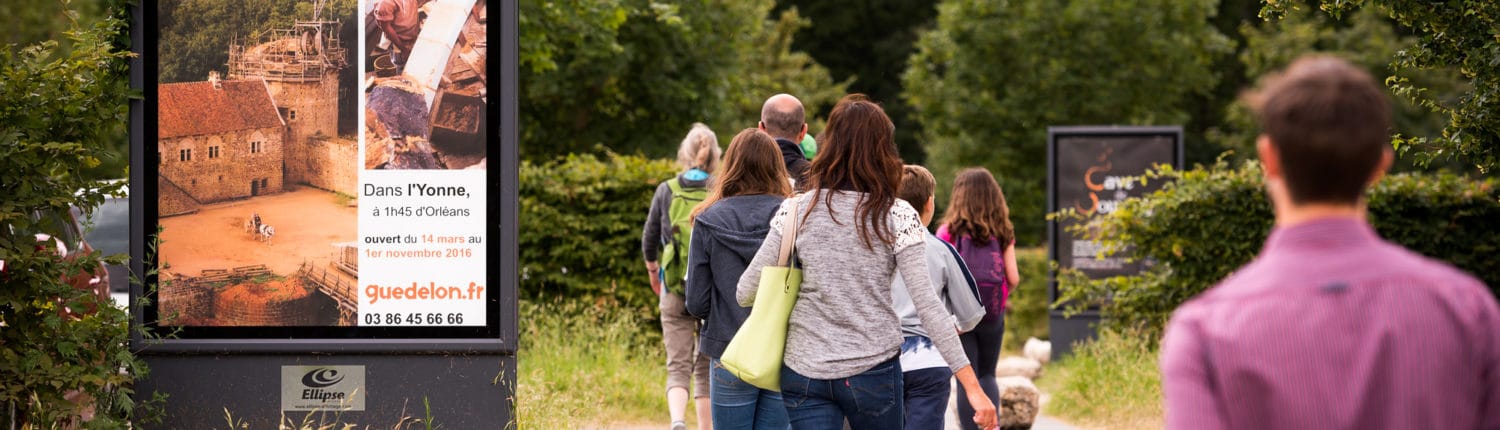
column 789, row 239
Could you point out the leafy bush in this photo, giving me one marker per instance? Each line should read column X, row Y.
column 580, row 232
column 1211, row 221
column 61, row 111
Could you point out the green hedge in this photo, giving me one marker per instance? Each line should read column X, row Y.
column 1026, row 313
column 580, row 237
column 580, row 228
column 1210, row 221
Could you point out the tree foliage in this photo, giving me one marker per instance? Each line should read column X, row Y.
column 32, row 23
column 634, row 75
column 1207, row 222
column 1462, row 34
column 867, row 42
column 992, row 76
column 1364, row 37
column 60, row 112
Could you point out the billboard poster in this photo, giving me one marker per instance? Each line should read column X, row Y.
column 323, row 169
column 1091, row 174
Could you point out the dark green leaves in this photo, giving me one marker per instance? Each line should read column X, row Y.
column 990, row 79
column 1210, row 221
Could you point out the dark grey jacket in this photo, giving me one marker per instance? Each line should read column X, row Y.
column 725, row 238
column 796, row 163
column 658, row 229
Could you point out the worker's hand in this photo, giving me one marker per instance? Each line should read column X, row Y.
column 655, row 270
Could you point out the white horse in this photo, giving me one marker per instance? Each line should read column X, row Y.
column 265, row 233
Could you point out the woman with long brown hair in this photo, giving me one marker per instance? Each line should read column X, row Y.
column 854, row 236
column 977, row 223
column 728, row 228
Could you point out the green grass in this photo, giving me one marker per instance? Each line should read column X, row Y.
column 598, row 365
column 589, row 365
column 1112, row 382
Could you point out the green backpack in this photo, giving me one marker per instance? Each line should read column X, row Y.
column 674, row 254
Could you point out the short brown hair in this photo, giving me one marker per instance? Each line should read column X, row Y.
column 1331, row 124
column 917, row 185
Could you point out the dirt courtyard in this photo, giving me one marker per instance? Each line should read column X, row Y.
column 309, row 224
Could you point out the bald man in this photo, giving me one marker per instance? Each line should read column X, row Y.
column 782, row 118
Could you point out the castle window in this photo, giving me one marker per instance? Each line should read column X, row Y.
column 185, row 154
column 254, row 147
column 213, row 152
column 291, row 115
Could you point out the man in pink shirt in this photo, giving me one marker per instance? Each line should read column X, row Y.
column 1332, row 327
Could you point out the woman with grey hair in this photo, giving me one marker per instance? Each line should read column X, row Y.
column 664, row 245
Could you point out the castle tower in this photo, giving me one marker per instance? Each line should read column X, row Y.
column 300, row 66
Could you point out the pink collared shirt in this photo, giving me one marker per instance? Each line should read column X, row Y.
column 1333, row 328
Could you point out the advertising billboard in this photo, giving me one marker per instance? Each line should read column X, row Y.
column 328, row 174
column 1091, row 170
column 1093, row 173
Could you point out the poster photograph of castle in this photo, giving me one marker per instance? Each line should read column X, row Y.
column 425, row 84
column 258, row 162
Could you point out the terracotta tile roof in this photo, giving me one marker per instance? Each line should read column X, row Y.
column 193, row 108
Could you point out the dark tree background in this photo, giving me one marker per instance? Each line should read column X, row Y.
column 869, row 41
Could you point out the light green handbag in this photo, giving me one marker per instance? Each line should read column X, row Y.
column 755, row 353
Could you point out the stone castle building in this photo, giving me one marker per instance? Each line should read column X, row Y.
column 273, row 123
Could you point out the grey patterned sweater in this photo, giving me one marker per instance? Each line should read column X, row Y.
column 843, row 322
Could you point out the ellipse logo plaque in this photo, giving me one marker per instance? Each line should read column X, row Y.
column 322, row 388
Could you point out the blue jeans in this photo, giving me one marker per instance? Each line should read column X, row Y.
column 927, row 398
column 869, row 400
column 739, row 405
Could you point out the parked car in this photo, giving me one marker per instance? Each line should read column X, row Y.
column 107, row 229
column 61, row 233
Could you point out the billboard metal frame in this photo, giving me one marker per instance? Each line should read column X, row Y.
column 497, row 336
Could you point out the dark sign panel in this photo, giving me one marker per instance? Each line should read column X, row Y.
column 1091, row 171
column 1093, row 174
column 322, row 175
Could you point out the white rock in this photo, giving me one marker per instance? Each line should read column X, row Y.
column 1037, row 349
column 1019, row 402
column 1018, row 366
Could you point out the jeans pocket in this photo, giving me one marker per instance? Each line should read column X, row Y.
column 724, row 378
column 876, row 390
column 794, row 388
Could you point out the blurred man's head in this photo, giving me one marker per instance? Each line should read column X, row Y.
column 1326, row 128
column 782, row 117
